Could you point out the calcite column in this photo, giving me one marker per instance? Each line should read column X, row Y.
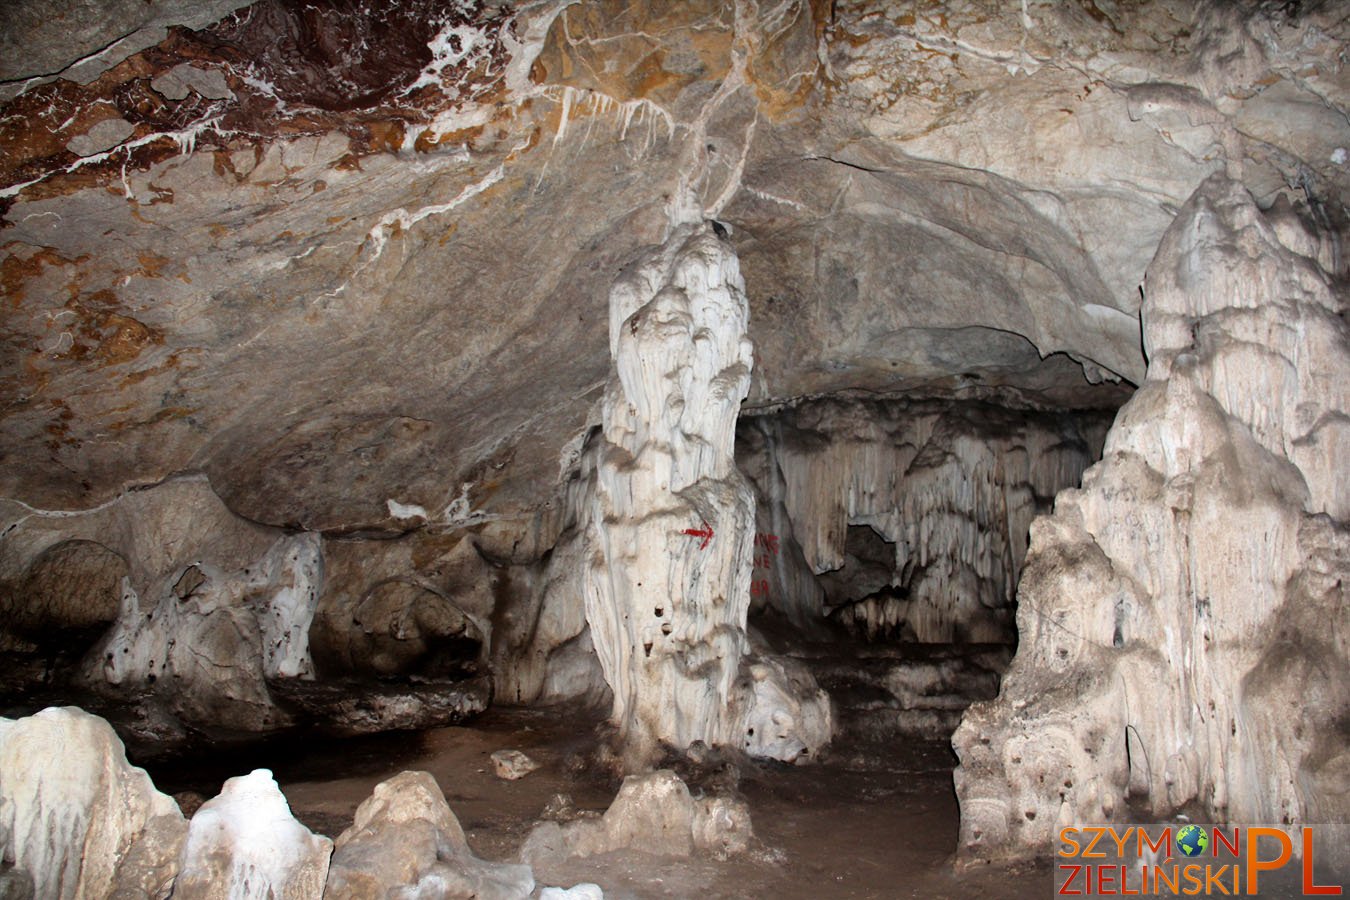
column 1184, row 639
column 670, row 537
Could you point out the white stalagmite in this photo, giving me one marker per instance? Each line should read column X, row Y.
column 77, row 817
column 667, row 608
column 245, row 844
column 1182, row 616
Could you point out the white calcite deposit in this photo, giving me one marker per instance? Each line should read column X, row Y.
column 245, row 844
column 671, row 523
column 216, row 634
column 1182, row 616
column 787, row 716
column 667, row 579
column 76, row 817
column 951, row 489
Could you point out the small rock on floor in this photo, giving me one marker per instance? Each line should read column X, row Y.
column 512, row 764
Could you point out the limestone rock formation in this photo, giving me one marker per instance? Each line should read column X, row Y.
column 214, row 636
column 915, row 513
column 787, row 715
column 245, row 844
column 512, row 765
column 401, row 627
column 73, row 586
column 208, row 606
column 1178, row 606
column 405, row 842
column 906, row 691
column 312, row 334
column 15, row 884
column 347, row 707
column 78, row 820
column 421, row 605
column 654, row 813
column 667, row 579
column 543, row 650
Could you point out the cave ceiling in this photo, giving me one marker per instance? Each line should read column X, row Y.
column 351, row 261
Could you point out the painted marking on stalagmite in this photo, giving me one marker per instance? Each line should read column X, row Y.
column 706, row 533
column 768, row 542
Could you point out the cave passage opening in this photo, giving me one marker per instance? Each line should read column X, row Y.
column 891, row 533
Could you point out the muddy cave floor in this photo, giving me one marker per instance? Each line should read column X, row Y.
column 869, row 820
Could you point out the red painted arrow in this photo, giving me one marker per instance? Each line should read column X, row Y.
column 706, row 533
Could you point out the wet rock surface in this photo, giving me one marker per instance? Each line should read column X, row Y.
column 368, row 707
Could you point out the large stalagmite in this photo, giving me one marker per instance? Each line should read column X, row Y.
column 1182, row 616
column 666, row 606
column 76, row 817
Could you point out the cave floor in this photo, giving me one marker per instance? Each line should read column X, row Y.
column 870, row 820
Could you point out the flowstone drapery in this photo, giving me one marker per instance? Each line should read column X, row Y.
column 1184, row 641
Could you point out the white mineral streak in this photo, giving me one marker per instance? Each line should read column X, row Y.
column 667, row 609
column 1182, row 616
column 290, row 576
column 216, row 633
column 453, row 45
column 76, row 817
column 245, row 844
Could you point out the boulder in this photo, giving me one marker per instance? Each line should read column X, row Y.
column 654, row 813
column 511, row 765
column 786, row 714
column 585, row 891
column 405, row 842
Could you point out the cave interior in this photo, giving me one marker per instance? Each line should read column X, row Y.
column 924, row 418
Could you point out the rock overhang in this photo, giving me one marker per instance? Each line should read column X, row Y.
column 368, row 299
